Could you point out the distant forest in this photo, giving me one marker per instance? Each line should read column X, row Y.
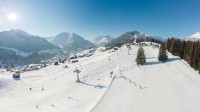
column 118, row 42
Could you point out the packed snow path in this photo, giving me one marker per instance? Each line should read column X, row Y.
column 156, row 87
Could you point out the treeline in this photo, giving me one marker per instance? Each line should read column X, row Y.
column 118, row 42
column 10, row 58
column 187, row 50
column 148, row 39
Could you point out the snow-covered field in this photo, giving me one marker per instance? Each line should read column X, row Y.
column 156, row 87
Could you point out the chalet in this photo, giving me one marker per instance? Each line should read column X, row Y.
column 89, row 54
column 128, row 45
column 16, row 75
column 144, row 44
column 156, row 46
column 74, row 61
column 56, row 63
column 9, row 69
column 34, row 66
column 91, row 50
column 115, row 48
column 73, row 57
column 80, row 55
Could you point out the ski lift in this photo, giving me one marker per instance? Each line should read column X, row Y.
column 77, row 71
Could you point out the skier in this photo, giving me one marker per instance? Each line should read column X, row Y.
column 37, row 107
column 111, row 74
column 30, row 87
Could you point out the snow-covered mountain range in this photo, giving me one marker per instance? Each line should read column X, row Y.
column 102, row 40
column 128, row 37
column 17, row 44
column 70, row 42
column 194, row 37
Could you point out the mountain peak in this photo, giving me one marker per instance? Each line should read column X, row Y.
column 67, row 35
column 72, row 34
column 70, row 41
column 62, row 34
column 18, row 32
column 102, row 40
column 24, row 45
column 131, row 34
column 194, row 37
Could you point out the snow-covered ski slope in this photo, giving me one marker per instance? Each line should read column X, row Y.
column 60, row 92
column 156, row 87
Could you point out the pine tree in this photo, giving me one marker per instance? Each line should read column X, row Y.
column 194, row 60
column 173, row 46
column 162, row 56
column 140, row 60
column 191, row 53
column 186, row 51
column 199, row 68
column 183, row 44
column 198, row 56
column 178, row 53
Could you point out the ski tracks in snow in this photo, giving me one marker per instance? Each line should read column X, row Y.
column 121, row 72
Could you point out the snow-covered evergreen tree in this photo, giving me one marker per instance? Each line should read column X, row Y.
column 162, row 56
column 141, row 59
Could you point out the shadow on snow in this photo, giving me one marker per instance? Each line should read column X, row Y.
column 99, row 86
column 157, row 62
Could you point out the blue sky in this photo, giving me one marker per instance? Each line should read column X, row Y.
column 92, row 18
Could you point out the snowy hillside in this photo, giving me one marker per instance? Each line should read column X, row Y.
column 102, row 40
column 17, row 44
column 155, row 87
column 194, row 37
column 23, row 41
column 70, row 42
column 129, row 37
